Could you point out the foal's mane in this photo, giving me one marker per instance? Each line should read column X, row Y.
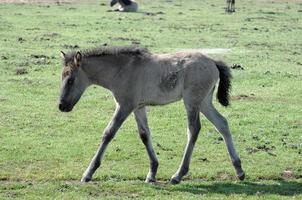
column 110, row 51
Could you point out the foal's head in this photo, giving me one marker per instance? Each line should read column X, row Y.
column 74, row 81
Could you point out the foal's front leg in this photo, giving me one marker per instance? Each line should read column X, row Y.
column 144, row 133
column 121, row 113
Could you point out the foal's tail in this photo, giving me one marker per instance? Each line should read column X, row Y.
column 224, row 87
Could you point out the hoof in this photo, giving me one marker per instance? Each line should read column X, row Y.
column 85, row 179
column 242, row 176
column 174, row 181
column 150, row 180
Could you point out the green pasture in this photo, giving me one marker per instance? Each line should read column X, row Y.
column 44, row 152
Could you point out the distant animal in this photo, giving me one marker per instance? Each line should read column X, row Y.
column 125, row 5
column 230, row 6
column 138, row 78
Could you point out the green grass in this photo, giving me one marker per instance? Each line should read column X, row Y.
column 43, row 152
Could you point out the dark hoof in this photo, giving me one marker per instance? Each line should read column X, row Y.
column 242, row 176
column 150, row 180
column 85, row 179
column 174, row 181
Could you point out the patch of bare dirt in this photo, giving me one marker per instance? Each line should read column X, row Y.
column 287, row 174
column 222, row 176
column 21, row 71
column 243, row 97
column 237, row 66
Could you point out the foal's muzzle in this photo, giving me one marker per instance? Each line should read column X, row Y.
column 64, row 106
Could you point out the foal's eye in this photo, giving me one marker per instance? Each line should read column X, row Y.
column 70, row 81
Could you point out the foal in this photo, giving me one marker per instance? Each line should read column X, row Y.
column 137, row 79
column 230, row 6
column 125, row 5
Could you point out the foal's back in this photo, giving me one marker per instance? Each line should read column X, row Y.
column 167, row 77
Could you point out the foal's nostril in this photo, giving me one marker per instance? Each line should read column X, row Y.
column 61, row 107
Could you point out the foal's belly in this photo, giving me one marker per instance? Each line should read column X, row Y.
column 160, row 101
column 162, row 93
column 164, row 99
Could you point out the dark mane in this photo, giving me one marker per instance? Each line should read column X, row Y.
column 107, row 51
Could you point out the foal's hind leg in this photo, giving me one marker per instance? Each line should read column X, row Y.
column 228, row 7
column 193, row 131
column 221, row 125
column 144, row 133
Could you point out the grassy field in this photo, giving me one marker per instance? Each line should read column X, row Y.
column 43, row 152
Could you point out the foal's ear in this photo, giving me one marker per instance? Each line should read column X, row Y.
column 63, row 55
column 78, row 58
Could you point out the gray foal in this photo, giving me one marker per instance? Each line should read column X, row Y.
column 137, row 79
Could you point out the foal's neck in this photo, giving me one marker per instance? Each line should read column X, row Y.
column 102, row 70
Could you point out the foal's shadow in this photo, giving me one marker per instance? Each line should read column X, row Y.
column 283, row 188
